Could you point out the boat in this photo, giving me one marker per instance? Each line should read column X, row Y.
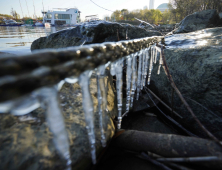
column 10, row 22
column 61, row 16
column 39, row 24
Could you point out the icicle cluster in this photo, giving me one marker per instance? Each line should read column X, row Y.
column 137, row 73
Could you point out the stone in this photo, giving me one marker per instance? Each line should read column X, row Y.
column 27, row 143
column 92, row 33
column 195, row 63
column 198, row 20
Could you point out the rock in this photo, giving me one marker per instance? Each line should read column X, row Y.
column 91, row 33
column 195, row 63
column 29, row 145
column 198, row 20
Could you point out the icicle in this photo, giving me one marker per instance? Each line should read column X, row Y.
column 56, row 123
column 155, row 56
column 146, row 65
column 119, row 84
column 134, row 69
column 87, row 103
column 161, row 60
column 102, row 101
column 139, row 74
column 113, row 69
column 151, row 65
column 143, row 69
column 129, row 81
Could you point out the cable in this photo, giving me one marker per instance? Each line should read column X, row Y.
column 101, row 7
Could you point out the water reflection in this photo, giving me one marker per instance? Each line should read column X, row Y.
column 17, row 40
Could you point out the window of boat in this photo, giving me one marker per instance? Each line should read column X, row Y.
column 62, row 16
column 49, row 16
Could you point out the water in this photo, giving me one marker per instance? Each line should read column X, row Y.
column 18, row 40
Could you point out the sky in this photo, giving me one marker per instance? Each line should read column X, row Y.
column 85, row 6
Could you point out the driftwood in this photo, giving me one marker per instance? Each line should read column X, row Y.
column 170, row 146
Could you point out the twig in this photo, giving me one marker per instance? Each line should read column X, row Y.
column 177, row 166
column 190, row 159
column 117, row 34
column 153, row 155
column 125, row 113
column 203, row 107
column 172, row 97
column 166, row 69
column 169, row 118
column 146, row 157
column 164, row 103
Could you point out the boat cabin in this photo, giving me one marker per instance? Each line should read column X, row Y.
column 61, row 16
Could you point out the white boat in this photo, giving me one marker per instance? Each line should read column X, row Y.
column 39, row 24
column 61, row 16
column 10, row 22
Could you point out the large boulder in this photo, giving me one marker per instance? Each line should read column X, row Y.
column 27, row 143
column 92, row 33
column 195, row 63
column 198, row 20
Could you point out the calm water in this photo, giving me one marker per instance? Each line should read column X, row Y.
column 18, row 40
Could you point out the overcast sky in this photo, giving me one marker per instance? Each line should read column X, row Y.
column 85, row 6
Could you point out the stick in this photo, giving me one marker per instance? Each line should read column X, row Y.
column 164, row 103
column 146, row 157
column 190, row 159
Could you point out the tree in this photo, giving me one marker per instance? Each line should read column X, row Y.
column 15, row 14
column 182, row 8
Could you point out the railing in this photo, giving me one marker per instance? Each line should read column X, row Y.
column 28, row 82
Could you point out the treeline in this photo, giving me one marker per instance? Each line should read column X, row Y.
column 178, row 9
column 181, row 8
column 152, row 16
column 6, row 16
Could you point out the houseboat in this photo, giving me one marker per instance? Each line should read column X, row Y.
column 61, row 16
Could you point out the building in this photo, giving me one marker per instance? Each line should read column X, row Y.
column 145, row 7
column 151, row 4
column 60, row 16
column 163, row 7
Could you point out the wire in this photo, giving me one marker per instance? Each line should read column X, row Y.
column 101, row 7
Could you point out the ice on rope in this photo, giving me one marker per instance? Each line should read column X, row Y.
column 56, row 123
column 134, row 77
column 102, row 101
column 147, row 56
column 151, row 64
column 139, row 77
column 129, row 81
column 161, row 59
column 87, row 103
column 119, row 85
